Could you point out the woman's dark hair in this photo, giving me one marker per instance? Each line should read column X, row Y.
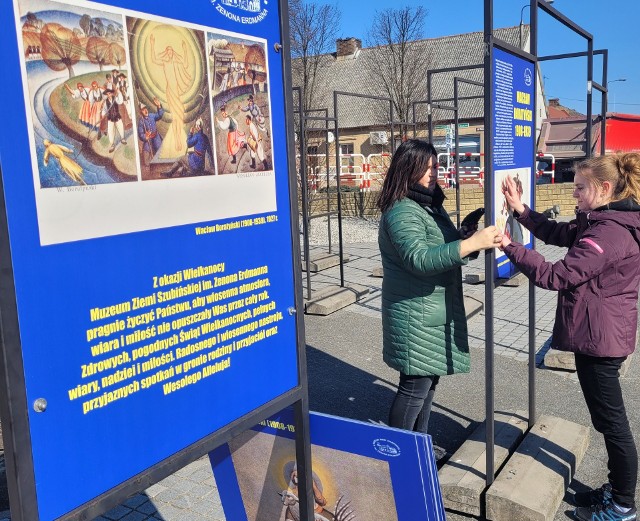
column 408, row 165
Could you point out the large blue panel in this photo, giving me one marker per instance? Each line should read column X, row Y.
column 152, row 300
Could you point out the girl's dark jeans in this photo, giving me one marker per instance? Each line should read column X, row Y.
column 411, row 407
column 599, row 379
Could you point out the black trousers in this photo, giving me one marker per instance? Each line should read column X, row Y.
column 411, row 407
column 599, row 379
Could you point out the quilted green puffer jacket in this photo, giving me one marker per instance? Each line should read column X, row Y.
column 423, row 318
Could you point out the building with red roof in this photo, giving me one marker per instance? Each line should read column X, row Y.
column 563, row 136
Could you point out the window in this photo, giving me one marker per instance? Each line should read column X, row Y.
column 347, row 150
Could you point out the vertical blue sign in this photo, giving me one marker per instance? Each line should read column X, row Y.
column 147, row 192
column 514, row 132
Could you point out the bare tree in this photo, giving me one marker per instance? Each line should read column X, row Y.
column 398, row 61
column 313, row 33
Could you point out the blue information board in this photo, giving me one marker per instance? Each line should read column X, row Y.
column 147, row 192
column 360, row 471
column 514, row 133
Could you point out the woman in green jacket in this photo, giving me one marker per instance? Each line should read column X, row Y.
column 423, row 318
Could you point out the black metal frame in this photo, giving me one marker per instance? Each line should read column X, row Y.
column 457, row 80
column 455, row 108
column 431, row 104
column 13, row 400
column 336, row 97
column 307, row 216
column 602, row 88
column 430, row 101
column 303, row 118
column 490, row 42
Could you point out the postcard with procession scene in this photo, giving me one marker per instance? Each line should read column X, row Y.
column 239, row 86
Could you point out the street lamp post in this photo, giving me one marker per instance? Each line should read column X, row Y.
column 614, row 94
column 522, row 20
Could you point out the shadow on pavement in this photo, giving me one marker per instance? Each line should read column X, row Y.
column 341, row 389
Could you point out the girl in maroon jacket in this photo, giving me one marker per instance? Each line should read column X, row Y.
column 597, row 284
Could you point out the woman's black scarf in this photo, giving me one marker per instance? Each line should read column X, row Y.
column 426, row 197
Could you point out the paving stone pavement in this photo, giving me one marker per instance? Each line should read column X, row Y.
column 511, row 330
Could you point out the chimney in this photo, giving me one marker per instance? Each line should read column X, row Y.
column 554, row 102
column 348, row 48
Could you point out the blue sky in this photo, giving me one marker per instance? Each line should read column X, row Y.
column 614, row 24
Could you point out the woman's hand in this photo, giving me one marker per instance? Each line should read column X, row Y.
column 489, row 237
column 510, row 192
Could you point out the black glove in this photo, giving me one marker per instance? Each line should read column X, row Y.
column 473, row 218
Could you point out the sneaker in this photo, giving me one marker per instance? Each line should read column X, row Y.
column 593, row 497
column 603, row 512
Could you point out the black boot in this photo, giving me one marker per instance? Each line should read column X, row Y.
column 234, row 159
column 253, row 162
column 265, row 164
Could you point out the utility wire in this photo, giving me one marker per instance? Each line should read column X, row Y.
column 595, row 101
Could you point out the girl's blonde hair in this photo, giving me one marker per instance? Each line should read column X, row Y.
column 621, row 170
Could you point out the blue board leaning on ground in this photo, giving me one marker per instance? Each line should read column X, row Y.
column 147, row 193
column 360, row 471
column 514, row 132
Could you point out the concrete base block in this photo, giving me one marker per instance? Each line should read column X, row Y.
column 517, row 280
column 479, row 278
column 474, row 278
column 463, row 477
column 323, row 261
column 566, row 361
column 377, row 272
column 333, row 298
column 530, row 487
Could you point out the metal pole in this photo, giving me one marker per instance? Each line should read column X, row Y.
column 339, row 198
column 589, row 96
column 304, row 191
column 489, row 257
column 429, row 112
column 326, row 164
column 456, row 119
column 533, row 48
column 393, row 130
column 303, row 457
column 415, row 125
column 605, row 103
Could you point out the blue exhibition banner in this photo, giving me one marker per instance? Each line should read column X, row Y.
column 145, row 174
column 514, row 131
column 359, row 470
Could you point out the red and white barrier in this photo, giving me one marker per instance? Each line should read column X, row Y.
column 551, row 171
column 467, row 173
